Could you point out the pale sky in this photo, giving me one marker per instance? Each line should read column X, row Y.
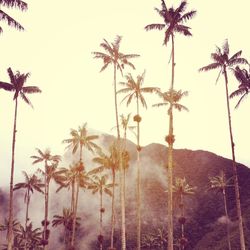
column 56, row 49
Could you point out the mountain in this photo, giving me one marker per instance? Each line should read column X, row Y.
column 205, row 226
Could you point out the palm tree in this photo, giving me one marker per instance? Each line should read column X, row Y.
column 16, row 85
column 28, row 237
column 66, row 219
column 79, row 139
column 99, row 184
column 180, row 189
column 110, row 162
column 171, row 98
column 222, row 61
column 113, row 56
column 220, row 183
column 173, row 23
column 133, row 89
column 50, row 165
column 5, row 17
column 31, row 184
column 243, row 76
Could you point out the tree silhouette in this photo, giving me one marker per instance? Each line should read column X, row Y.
column 119, row 60
column 173, row 24
column 222, row 61
column 16, row 85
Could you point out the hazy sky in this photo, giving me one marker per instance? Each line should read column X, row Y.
column 56, row 49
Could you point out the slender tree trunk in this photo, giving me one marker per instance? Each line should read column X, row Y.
column 182, row 215
column 101, row 243
column 227, row 217
column 74, row 214
column 138, row 181
column 10, row 226
column 113, row 210
column 122, row 202
column 236, row 183
column 27, row 218
column 170, row 141
column 46, row 203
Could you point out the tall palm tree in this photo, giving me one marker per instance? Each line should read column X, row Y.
column 119, row 60
column 222, row 61
column 80, row 139
column 50, row 165
column 180, row 189
column 133, row 89
column 99, row 185
column 219, row 183
column 32, row 183
column 173, row 23
column 111, row 162
column 16, row 85
column 171, row 98
column 243, row 76
column 5, row 17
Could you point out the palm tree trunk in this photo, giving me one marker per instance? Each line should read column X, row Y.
column 101, row 218
column 227, row 217
column 182, row 215
column 27, row 209
column 46, row 187
column 10, row 227
column 236, row 183
column 26, row 218
column 170, row 158
column 138, row 182
column 113, row 211
column 74, row 215
column 122, row 201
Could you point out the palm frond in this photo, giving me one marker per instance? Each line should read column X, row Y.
column 188, row 16
column 6, row 86
column 15, row 4
column 210, row 67
column 10, row 21
column 155, row 26
column 31, row 89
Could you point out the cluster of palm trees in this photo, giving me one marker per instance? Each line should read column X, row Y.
column 116, row 159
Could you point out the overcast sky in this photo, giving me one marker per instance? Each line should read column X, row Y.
column 56, row 49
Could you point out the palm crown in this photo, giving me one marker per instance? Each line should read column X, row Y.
column 173, row 20
column 16, row 85
column 222, row 60
column 135, row 90
column 113, row 55
column 80, row 138
column 31, row 183
column 174, row 97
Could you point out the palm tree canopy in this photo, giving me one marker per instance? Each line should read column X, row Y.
column 173, row 20
column 135, row 90
column 31, row 183
column 100, row 184
column 181, row 187
column 18, row 4
column 45, row 156
column 16, row 85
column 112, row 55
column 111, row 160
column 219, row 182
column 80, row 138
column 176, row 95
column 243, row 76
column 222, row 60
